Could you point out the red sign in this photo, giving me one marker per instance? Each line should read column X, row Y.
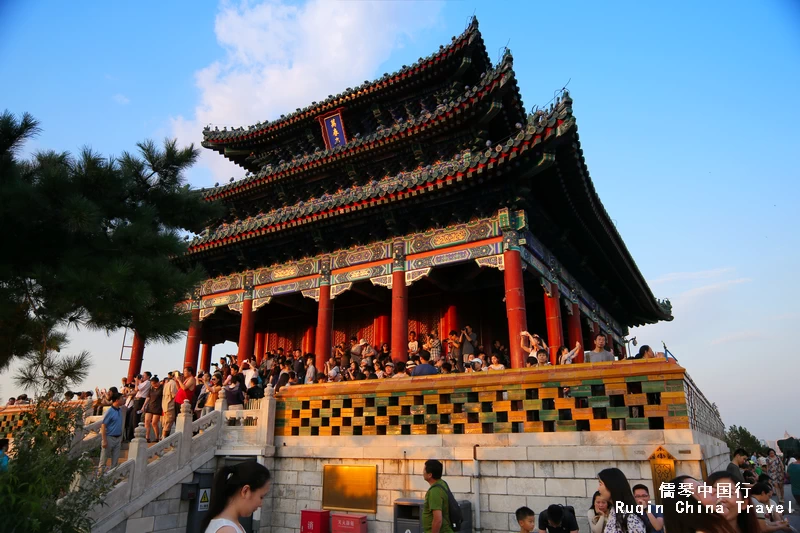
column 348, row 523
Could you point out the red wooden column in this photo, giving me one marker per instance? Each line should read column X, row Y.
column 137, row 354
column 450, row 320
column 574, row 332
column 246, row 330
column 382, row 330
column 322, row 347
column 309, row 338
column 515, row 303
column 192, row 351
column 555, row 333
column 260, row 346
column 399, row 343
column 205, row 356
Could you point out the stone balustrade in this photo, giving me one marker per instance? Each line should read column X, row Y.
column 149, row 471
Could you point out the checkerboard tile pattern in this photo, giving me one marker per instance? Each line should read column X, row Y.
column 602, row 397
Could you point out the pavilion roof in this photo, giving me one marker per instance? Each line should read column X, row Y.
column 546, row 135
column 490, row 82
column 215, row 138
column 423, row 180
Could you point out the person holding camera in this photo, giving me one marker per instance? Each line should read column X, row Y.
column 186, row 388
column 454, row 348
column 469, row 341
column 168, row 394
column 534, row 344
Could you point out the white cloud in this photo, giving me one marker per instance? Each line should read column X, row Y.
column 281, row 57
column 739, row 336
column 691, row 294
column 121, row 99
column 691, row 276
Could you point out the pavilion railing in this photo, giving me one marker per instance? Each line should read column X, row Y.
column 613, row 396
column 703, row 416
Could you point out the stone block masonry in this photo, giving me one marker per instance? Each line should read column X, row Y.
column 513, row 470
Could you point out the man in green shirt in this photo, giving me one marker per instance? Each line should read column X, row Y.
column 435, row 512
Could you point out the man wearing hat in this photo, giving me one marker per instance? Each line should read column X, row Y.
column 367, row 351
column 388, row 371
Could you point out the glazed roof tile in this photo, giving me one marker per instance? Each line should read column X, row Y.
column 493, row 79
column 540, row 127
column 215, row 137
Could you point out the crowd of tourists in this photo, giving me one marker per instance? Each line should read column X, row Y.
column 426, row 355
column 721, row 504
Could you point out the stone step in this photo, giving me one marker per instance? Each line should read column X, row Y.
column 123, row 455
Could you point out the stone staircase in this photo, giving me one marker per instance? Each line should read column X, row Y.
column 147, row 470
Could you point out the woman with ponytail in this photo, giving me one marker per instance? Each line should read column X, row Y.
column 615, row 489
column 237, row 490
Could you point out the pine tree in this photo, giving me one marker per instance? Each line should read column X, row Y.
column 87, row 241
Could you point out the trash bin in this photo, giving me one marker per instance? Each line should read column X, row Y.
column 314, row 521
column 348, row 523
column 408, row 515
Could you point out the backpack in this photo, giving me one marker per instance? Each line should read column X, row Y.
column 453, row 509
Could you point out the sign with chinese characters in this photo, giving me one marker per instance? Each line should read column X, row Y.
column 350, row 488
column 204, row 500
column 333, row 129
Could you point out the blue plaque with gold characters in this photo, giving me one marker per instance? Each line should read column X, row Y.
column 333, row 129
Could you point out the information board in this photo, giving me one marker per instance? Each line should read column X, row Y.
column 350, row 488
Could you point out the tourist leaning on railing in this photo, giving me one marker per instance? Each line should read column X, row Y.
column 566, row 356
column 598, row 354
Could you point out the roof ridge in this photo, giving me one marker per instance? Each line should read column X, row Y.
column 539, row 128
column 487, row 79
column 468, row 35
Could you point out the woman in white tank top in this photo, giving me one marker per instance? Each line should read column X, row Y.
column 237, row 491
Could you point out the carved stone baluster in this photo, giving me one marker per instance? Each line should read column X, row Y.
column 138, row 452
column 184, row 426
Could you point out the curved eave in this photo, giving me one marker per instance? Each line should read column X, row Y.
column 481, row 165
column 470, row 37
column 619, row 257
column 499, row 79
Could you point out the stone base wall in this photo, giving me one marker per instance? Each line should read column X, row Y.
column 497, row 473
column 165, row 513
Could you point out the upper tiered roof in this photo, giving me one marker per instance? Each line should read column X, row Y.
column 465, row 51
column 490, row 82
column 533, row 162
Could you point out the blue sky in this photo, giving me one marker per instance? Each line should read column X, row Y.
column 687, row 113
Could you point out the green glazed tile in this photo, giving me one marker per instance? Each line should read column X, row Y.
column 598, row 401
column 488, row 417
column 531, row 405
column 548, row 414
column 654, row 386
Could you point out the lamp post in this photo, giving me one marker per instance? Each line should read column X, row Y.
column 628, row 342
